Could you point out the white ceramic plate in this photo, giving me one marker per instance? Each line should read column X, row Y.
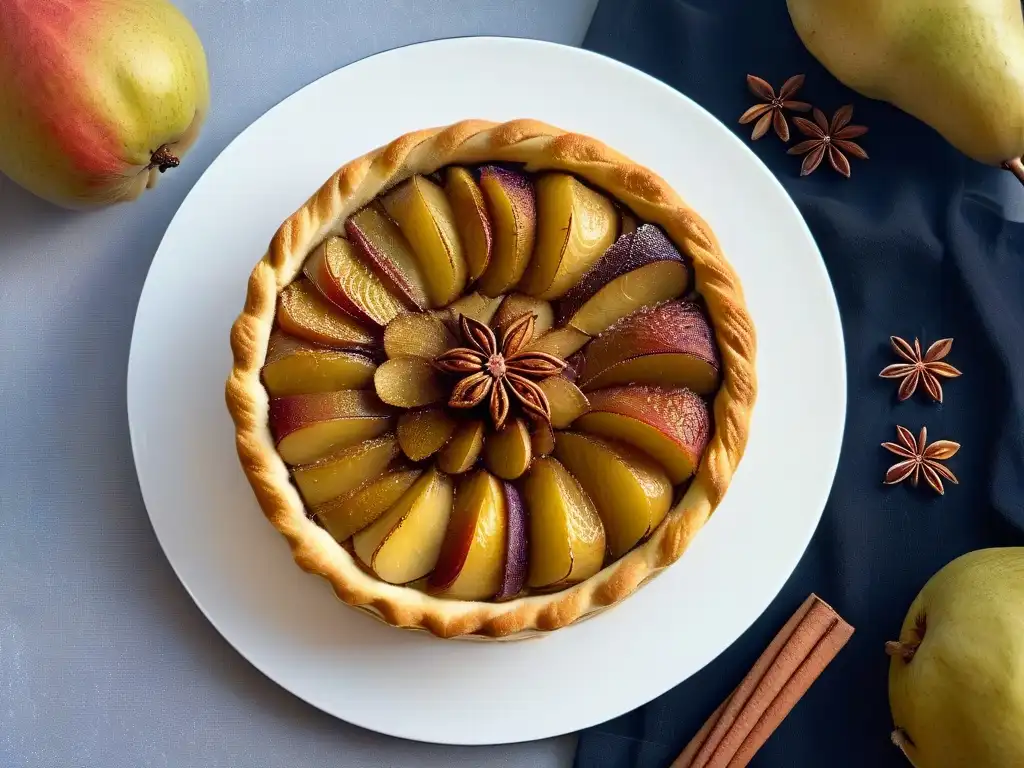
column 289, row 624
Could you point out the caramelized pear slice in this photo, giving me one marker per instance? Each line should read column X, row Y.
column 403, row 544
column 566, row 539
column 513, row 577
column 382, row 244
column 671, row 345
column 673, row 425
column 542, row 439
column 423, row 433
column 567, row 402
column 560, row 342
column 303, row 312
column 350, row 513
column 425, row 216
column 463, row 449
column 641, row 269
column 471, row 218
column 512, row 207
column 423, row 334
column 308, row 427
column 408, row 382
column 343, row 470
column 508, row 452
column 575, row 226
column 350, row 284
column 469, row 566
column 295, row 367
column 631, row 491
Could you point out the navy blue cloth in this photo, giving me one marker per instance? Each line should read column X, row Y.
column 919, row 242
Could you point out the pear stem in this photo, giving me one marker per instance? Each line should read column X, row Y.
column 1016, row 167
column 902, row 740
column 163, row 159
column 905, row 651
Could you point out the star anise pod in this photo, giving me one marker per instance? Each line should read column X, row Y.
column 828, row 138
column 919, row 458
column 488, row 369
column 770, row 113
column 924, row 369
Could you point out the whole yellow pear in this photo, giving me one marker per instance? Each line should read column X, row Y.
column 97, row 97
column 958, row 65
column 956, row 676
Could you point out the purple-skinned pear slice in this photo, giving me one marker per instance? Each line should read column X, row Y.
column 381, row 243
column 513, row 577
column 642, row 268
column 471, row 218
column 512, row 208
column 348, row 283
column 470, row 564
column 671, row 345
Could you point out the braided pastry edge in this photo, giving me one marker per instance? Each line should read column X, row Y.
column 540, row 147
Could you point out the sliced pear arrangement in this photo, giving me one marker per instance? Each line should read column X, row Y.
column 512, row 206
column 509, row 451
column 561, row 342
column 295, row 367
column 303, row 312
column 340, row 472
column 423, row 213
column 567, row 539
column 514, row 566
column 404, row 543
column 470, row 565
column 382, row 244
column 422, row 433
column 308, row 427
column 471, row 219
column 408, row 382
column 670, row 345
column 434, row 496
column 542, row 439
column 576, row 225
column 567, row 401
column 671, row 425
column 464, row 448
column 421, row 334
column 346, row 281
column 349, row 513
column 642, row 268
column 631, row 492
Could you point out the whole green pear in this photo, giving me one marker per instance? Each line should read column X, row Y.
column 97, row 97
column 956, row 676
column 958, row 65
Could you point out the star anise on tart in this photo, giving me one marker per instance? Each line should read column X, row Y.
column 828, row 138
column 770, row 113
column 920, row 458
column 920, row 368
column 496, row 372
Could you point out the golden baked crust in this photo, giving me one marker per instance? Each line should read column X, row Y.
column 539, row 146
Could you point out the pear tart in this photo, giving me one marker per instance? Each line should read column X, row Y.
column 490, row 379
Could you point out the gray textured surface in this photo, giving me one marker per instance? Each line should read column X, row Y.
column 104, row 659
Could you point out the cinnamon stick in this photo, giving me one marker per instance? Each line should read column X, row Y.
column 795, row 658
